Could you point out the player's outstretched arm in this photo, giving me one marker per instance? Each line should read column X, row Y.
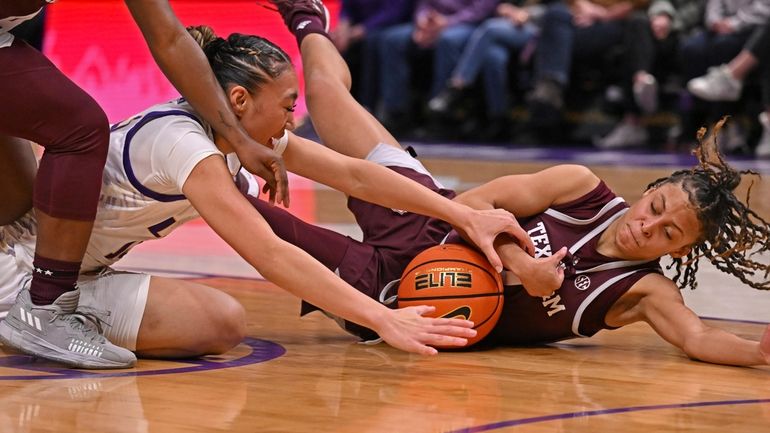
column 376, row 184
column 211, row 190
column 184, row 64
column 663, row 308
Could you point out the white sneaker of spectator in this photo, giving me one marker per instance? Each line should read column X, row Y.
column 763, row 147
column 625, row 134
column 717, row 85
column 646, row 93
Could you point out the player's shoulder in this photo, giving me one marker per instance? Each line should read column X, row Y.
column 171, row 121
column 570, row 181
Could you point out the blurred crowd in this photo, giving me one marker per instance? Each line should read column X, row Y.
column 615, row 73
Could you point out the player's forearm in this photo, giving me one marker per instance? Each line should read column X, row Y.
column 382, row 186
column 720, row 347
column 514, row 258
column 186, row 67
column 298, row 273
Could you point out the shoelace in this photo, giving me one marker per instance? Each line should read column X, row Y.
column 95, row 316
column 85, row 319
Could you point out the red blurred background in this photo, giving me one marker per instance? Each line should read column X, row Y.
column 97, row 44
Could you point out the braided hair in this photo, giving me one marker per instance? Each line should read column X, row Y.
column 244, row 60
column 732, row 234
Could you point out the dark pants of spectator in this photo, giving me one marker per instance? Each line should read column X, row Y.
column 561, row 43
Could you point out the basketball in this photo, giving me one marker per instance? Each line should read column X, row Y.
column 459, row 282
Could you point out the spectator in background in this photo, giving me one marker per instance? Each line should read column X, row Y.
column 356, row 36
column 725, row 82
column 488, row 53
column 652, row 40
column 573, row 31
column 443, row 26
column 728, row 26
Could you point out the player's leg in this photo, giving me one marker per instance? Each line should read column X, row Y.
column 161, row 317
column 186, row 319
column 17, row 174
column 44, row 106
column 345, row 256
column 341, row 122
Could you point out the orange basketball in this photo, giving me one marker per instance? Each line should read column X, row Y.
column 459, row 282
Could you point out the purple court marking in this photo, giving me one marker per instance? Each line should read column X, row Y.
column 590, row 413
column 261, row 351
column 585, row 156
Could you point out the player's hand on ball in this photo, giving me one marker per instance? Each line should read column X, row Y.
column 408, row 330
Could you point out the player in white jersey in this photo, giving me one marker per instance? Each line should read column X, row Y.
column 42, row 105
column 166, row 166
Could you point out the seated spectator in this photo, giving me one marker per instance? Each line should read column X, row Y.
column 488, row 53
column 443, row 26
column 728, row 26
column 578, row 31
column 651, row 40
column 725, row 82
column 356, row 36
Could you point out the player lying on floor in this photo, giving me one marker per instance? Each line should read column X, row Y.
column 596, row 263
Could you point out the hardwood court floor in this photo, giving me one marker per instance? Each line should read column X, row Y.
column 306, row 375
column 627, row 380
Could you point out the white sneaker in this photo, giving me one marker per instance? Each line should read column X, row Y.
column 58, row 333
column 646, row 93
column 717, row 85
column 763, row 146
column 625, row 134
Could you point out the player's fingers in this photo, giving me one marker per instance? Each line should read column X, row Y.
column 764, row 345
column 493, row 258
column 269, row 189
column 453, row 331
column 282, row 182
column 425, row 350
column 557, row 257
column 422, row 309
column 441, row 321
column 444, row 340
column 525, row 242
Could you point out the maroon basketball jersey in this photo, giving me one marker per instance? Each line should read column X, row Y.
column 592, row 281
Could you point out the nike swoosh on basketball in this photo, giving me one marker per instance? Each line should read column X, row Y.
column 464, row 312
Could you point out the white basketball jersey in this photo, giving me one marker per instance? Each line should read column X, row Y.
column 150, row 157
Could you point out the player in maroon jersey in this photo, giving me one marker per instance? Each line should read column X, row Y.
column 595, row 264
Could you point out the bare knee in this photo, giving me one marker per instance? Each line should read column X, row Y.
column 319, row 84
column 228, row 327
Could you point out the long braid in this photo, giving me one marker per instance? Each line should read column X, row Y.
column 732, row 234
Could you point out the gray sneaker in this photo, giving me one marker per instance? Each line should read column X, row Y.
column 717, row 85
column 58, row 333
